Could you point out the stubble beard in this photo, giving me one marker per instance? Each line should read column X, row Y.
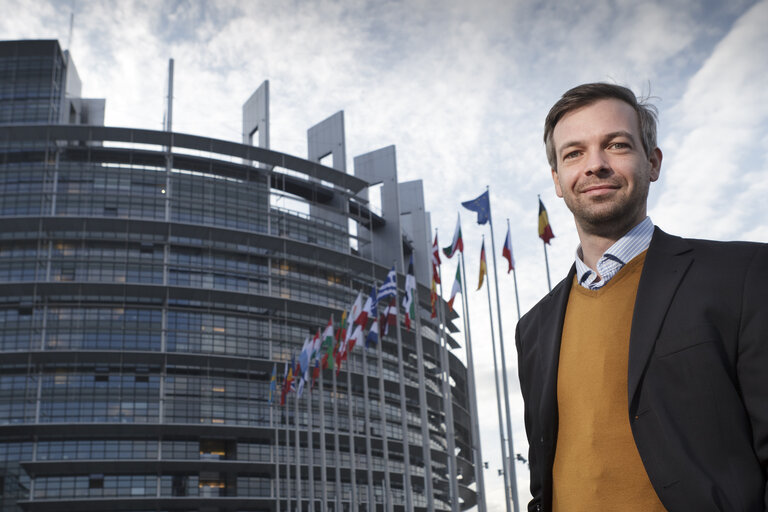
column 611, row 217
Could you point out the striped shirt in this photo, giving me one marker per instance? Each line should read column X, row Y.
column 619, row 254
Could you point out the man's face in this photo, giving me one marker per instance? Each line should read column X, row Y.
column 603, row 173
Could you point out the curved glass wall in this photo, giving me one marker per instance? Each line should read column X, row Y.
column 145, row 298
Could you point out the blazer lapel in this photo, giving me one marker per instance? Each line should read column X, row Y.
column 666, row 262
column 551, row 328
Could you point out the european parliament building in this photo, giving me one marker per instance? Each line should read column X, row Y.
column 151, row 282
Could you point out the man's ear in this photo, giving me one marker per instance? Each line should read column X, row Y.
column 556, row 180
column 655, row 160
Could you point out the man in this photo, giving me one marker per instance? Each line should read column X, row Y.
column 645, row 371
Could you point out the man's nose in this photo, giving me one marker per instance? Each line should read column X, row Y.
column 596, row 163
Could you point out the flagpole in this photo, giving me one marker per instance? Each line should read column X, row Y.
column 310, row 442
column 514, row 278
column 337, row 449
column 366, row 391
column 504, row 458
column 323, row 457
column 388, row 507
column 546, row 262
column 296, row 450
column 353, row 466
column 387, row 500
column 387, row 497
column 481, row 504
column 426, row 450
column 445, row 375
column 403, row 408
column 367, row 411
column 513, row 475
column 546, row 258
column 276, row 450
column 287, row 461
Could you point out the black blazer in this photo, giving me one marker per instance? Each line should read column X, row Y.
column 697, row 375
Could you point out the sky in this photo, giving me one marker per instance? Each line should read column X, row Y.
column 461, row 89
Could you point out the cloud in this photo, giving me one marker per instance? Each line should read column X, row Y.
column 715, row 177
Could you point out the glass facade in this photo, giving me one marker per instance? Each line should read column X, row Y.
column 146, row 296
column 31, row 81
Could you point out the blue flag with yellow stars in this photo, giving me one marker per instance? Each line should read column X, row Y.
column 481, row 205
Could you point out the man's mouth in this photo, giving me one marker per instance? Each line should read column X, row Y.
column 597, row 189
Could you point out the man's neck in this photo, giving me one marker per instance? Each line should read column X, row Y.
column 592, row 249
column 594, row 245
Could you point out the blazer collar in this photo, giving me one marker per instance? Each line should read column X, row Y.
column 666, row 263
column 551, row 329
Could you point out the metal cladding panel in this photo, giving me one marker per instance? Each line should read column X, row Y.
column 323, row 139
column 380, row 166
column 13, row 133
column 27, row 48
column 327, row 138
column 256, row 117
column 415, row 223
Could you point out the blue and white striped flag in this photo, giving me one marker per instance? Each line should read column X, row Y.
column 389, row 286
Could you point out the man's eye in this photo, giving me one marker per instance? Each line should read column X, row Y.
column 572, row 154
column 619, row 145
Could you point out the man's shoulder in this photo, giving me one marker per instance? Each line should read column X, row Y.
column 716, row 249
column 547, row 304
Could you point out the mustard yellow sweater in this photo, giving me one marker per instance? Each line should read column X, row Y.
column 597, row 466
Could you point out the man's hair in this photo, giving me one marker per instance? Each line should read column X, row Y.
column 587, row 94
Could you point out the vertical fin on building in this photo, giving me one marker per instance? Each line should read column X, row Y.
column 256, row 117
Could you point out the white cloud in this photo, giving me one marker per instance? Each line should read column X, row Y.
column 715, row 178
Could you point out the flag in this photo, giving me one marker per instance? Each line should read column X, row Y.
column 282, row 387
column 273, row 384
column 409, row 305
column 456, row 287
column 357, row 337
column 389, row 316
column 327, row 344
column 433, row 298
column 287, row 382
column 506, row 252
column 369, row 308
column 483, row 266
column 292, row 375
column 373, row 335
column 340, row 351
column 315, row 372
column 354, row 314
column 303, row 365
column 339, row 356
column 316, row 343
column 545, row 230
column 435, row 261
column 341, row 332
column 481, row 204
column 389, row 286
column 457, row 244
column 306, row 352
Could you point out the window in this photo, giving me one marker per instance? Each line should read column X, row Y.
column 96, row 481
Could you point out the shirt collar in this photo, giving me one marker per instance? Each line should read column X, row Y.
column 619, row 254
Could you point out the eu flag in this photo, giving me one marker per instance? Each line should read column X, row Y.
column 481, row 205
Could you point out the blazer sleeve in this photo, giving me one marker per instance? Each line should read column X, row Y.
column 752, row 362
column 533, row 457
